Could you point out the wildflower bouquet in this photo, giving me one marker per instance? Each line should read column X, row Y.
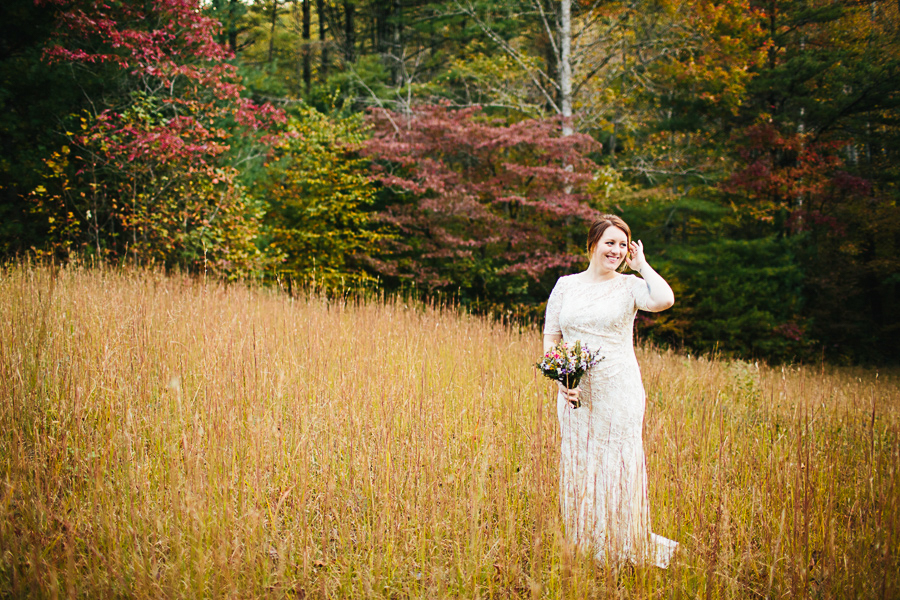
column 567, row 363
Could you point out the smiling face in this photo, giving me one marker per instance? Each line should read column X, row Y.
column 611, row 250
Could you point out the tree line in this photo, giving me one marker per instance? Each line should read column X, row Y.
column 462, row 147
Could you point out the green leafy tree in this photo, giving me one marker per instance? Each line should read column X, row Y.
column 815, row 147
column 320, row 200
column 737, row 296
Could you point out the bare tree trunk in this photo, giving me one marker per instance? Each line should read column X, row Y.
column 323, row 42
column 396, row 46
column 551, row 64
column 349, row 31
column 613, row 138
column 801, row 129
column 307, row 67
column 272, row 31
column 232, row 37
column 873, row 14
column 229, row 31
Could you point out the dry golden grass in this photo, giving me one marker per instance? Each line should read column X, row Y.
column 161, row 437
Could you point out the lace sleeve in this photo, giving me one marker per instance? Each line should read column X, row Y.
column 640, row 292
column 554, row 305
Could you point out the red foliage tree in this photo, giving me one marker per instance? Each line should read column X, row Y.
column 793, row 176
column 153, row 168
column 477, row 205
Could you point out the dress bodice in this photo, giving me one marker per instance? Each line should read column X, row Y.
column 600, row 314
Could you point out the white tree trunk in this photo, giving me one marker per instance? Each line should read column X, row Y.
column 565, row 65
column 565, row 82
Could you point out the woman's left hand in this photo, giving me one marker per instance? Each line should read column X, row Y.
column 635, row 258
column 571, row 394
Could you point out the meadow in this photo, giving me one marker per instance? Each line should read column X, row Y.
column 166, row 437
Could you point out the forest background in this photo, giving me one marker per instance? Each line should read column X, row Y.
column 461, row 148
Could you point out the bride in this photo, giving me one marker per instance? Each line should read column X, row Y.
column 603, row 478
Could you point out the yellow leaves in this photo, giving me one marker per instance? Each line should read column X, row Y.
column 319, row 201
column 607, row 183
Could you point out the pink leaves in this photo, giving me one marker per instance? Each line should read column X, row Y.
column 168, row 40
column 471, row 190
column 448, row 151
column 168, row 49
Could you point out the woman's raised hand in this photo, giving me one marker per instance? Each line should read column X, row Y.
column 635, row 258
column 661, row 295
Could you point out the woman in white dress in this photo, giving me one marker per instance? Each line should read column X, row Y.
column 603, row 477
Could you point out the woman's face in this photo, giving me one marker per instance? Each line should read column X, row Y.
column 611, row 249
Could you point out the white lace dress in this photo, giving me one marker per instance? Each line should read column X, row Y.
column 603, row 477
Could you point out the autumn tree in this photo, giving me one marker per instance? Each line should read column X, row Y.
column 477, row 206
column 151, row 171
column 805, row 168
column 321, row 201
column 752, row 144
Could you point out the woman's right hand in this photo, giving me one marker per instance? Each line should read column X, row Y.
column 571, row 395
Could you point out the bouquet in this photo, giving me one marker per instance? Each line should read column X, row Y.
column 567, row 363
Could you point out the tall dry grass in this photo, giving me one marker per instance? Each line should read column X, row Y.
column 161, row 437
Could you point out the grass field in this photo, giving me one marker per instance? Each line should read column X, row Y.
column 165, row 438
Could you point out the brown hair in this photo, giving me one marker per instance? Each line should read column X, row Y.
column 601, row 224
